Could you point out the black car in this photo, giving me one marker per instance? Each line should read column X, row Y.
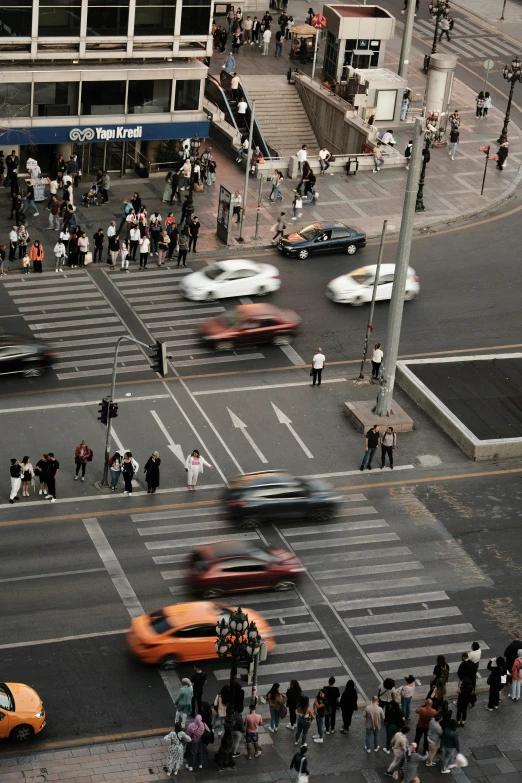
column 23, row 355
column 322, row 238
column 277, row 495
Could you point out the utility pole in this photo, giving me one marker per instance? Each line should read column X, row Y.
column 502, row 18
column 387, row 377
column 247, row 171
column 259, row 202
column 369, row 325
column 407, row 34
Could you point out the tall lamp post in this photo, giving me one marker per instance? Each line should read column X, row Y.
column 429, row 135
column 195, row 144
column 438, row 9
column 512, row 74
column 239, row 640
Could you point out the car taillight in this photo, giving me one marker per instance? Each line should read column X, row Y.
column 51, row 354
column 236, row 502
column 275, row 276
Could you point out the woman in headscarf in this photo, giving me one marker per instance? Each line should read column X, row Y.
column 176, row 741
column 196, row 752
column 152, row 474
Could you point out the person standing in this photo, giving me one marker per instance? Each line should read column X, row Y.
column 453, row 141
column 276, row 701
column 98, row 240
column 13, row 240
column 252, row 723
column 373, row 716
column 497, row 667
column 434, row 736
column 502, row 155
column 176, row 740
column 479, row 101
column 198, row 680
column 40, row 469
column 320, row 714
column 267, row 35
column 324, row 160
column 193, row 467
column 293, row 695
column 398, row 747
column 23, row 239
column 302, row 157
column 425, row 713
column 54, row 213
column 183, row 700
column 183, row 246
column 332, row 695
column 407, row 692
column 305, row 716
column 467, row 669
column 348, row 703
column 487, row 104
column 59, row 255
column 377, row 355
column 234, row 87
column 279, row 40
column 318, row 365
column 465, row 698
column 163, row 246
column 106, row 183
column 236, row 205
column 128, row 472
column 299, row 763
column 36, row 255
column 388, row 444
column 511, row 651
column 247, row 30
column 193, row 229
column 16, row 480
column 114, row 249
column 115, row 466
column 144, row 251
column 449, row 744
column 135, row 237
column 393, row 721
column 111, row 232
column 516, row 677
column 52, row 474
column 82, row 456
column 83, row 248
column 27, row 476
column 373, row 440
column 196, row 752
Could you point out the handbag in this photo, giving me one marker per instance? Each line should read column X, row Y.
column 91, row 455
column 88, row 258
column 302, row 777
column 283, row 712
column 207, row 737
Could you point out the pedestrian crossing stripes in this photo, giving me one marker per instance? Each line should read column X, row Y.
column 389, row 601
column 468, row 39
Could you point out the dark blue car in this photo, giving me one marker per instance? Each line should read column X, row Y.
column 322, row 237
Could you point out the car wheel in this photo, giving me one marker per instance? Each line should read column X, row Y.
column 261, row 291
column 281, row 340
column 322, row 516
column 303, row 254
column 21, row 733
column 284, row 585
column 351, row 249
column 223, row 345
column 212, row 593
column 250, row 523
column 408, row 296
column 33, row 372
column 357, row 302
column 169, row 662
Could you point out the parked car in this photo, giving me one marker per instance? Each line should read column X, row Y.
column 322, row 237
column 274, row 495
column 22, row 713
column 356, row 287
column 232, row 277
column 249, row 324
column 185, row 632
column 238, row 566
column 24, row 355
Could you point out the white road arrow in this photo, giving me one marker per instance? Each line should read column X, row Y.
column 283, row 419
column 174, row 447
column 240, row 425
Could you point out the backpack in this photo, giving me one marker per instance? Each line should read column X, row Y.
column 207, row 737
column 444, row 675
column 91, row 455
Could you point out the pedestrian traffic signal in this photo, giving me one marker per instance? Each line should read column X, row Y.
column 113, row 410
column 103, row 411
column 159, row 358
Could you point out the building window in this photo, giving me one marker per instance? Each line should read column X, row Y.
column 16, row 18
column 195, row 17
column 56, row 99
column 15, row 100
column 103, row 98
column 149, row 97
column 108, row 18
column 59, row 17
column 331, row 54
column 187, row 95
column 154, row 17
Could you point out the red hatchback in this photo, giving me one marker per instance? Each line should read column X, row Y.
column 249, row 324
column 238, row 566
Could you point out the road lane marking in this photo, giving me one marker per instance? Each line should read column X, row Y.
column 424, row 652
column 238, row 424
column 292, row 354
column 56, row 573
column 390, row 600
column 265, row 386
column 176, row 448
column 416, row 633
column 402, row 617
column 355, row 472
column 287, row 422
column 59, row 639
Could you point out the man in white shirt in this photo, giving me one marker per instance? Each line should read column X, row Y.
column 324, row 160
column 111, row 232
column 13, row 242
column 144, row 251
column 267, row 35
column 301, row 156
column 318, row 363
column 234, row 86
column 236, row 202
column 242, row 106
column 387, row 138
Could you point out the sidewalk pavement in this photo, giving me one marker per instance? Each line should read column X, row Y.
column 491, row 10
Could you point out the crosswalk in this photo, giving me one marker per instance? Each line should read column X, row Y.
column 469, row 40
column 390, row 605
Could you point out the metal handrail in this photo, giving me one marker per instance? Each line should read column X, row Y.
column 224, row 95
column 258, row 127
column 333, row 95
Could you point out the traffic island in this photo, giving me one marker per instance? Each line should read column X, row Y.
column 362, row 417
column 476, row 400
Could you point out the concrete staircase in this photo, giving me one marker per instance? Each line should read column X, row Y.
column 281, row 114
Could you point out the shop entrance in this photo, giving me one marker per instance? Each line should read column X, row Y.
column 110, row 156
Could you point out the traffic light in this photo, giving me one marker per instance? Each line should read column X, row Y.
column 159, row 358
column 113, row 410
column 103, row 411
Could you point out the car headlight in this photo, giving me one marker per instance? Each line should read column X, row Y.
column 40, row 714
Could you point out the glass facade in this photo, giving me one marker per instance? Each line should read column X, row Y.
column 149, row 97
column 15, row 100
column 195, row 17
column 187, row 95
column 103, row 98
column 56, row 99
column 59, row 17
column 154, row 17
column 330, row 56
column 16, row 18
column 108, row 18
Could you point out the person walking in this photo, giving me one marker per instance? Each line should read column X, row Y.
column 511, row 651
column 52, row 474
column 398, row 747
column 41, row 469
column 82, row 455
column 177, row 741
column 29, row 199
column 434, row 736
column 324, row 160
column 445, row 28
column 479, row 102
column 488, row 104
column 320, row 714
column 299, row 764
column 453, row 141
column 128, row 470
column 183, row 245
column 193, row 229
column 115, row 467
column 297, row 205
column 332, row 695
column 276, row 701
column 449, row 745
column 114, row 250
column 59, row 255
column 496, row 681
column 393, row 721
column 373, row 440
column 27, row 476
column 16, row 480
column 388, row 445
column 54, row 213
column 279, row 227
column 373, row 716
column 304, row 717
column 410, row 769
column 502, row 155
column 37, row 254
column 302, row 157
column 98, row 240
column 425, row 713
column 465, row 699
column 407, row 154
column 516, row 677
column 198, row 681
column 194, row 466
column 220, row 714
column 183, row 700
column 247, row 30
column 318, row 365
column 106, row 183
column 293, row 696
column 377, row 355
column 348, row 704
column 252, row 723
column 196, row 752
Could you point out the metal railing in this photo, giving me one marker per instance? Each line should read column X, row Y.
column 213, row 90
column 259, row 137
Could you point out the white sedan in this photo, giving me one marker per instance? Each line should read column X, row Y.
column 356, row 288
column 232, row 277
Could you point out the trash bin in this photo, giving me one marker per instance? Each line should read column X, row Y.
column 427, row 58
column 352, row 166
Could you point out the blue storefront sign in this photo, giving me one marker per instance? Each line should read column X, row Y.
column 97, row 131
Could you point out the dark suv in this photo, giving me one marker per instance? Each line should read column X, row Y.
column 277, row 495
column 322, row 237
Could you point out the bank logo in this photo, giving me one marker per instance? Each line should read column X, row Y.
column 77, row 134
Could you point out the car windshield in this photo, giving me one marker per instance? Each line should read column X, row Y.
column 310, row 232
column 230, row 318
column 6, row 700
column 213, row 271
column 264, row 555
column 159, row 622
column 361, row 278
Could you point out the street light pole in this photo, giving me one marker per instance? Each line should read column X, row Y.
column 407, row 34
column 387, row 376
column 247, row 170
column 438, row 9
column 419, row 202
column 511, row 74
column 369, row 325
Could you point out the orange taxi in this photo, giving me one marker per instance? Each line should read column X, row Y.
column 185, row 632
column 22, row 713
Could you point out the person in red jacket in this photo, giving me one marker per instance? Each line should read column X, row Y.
column 82, row 455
